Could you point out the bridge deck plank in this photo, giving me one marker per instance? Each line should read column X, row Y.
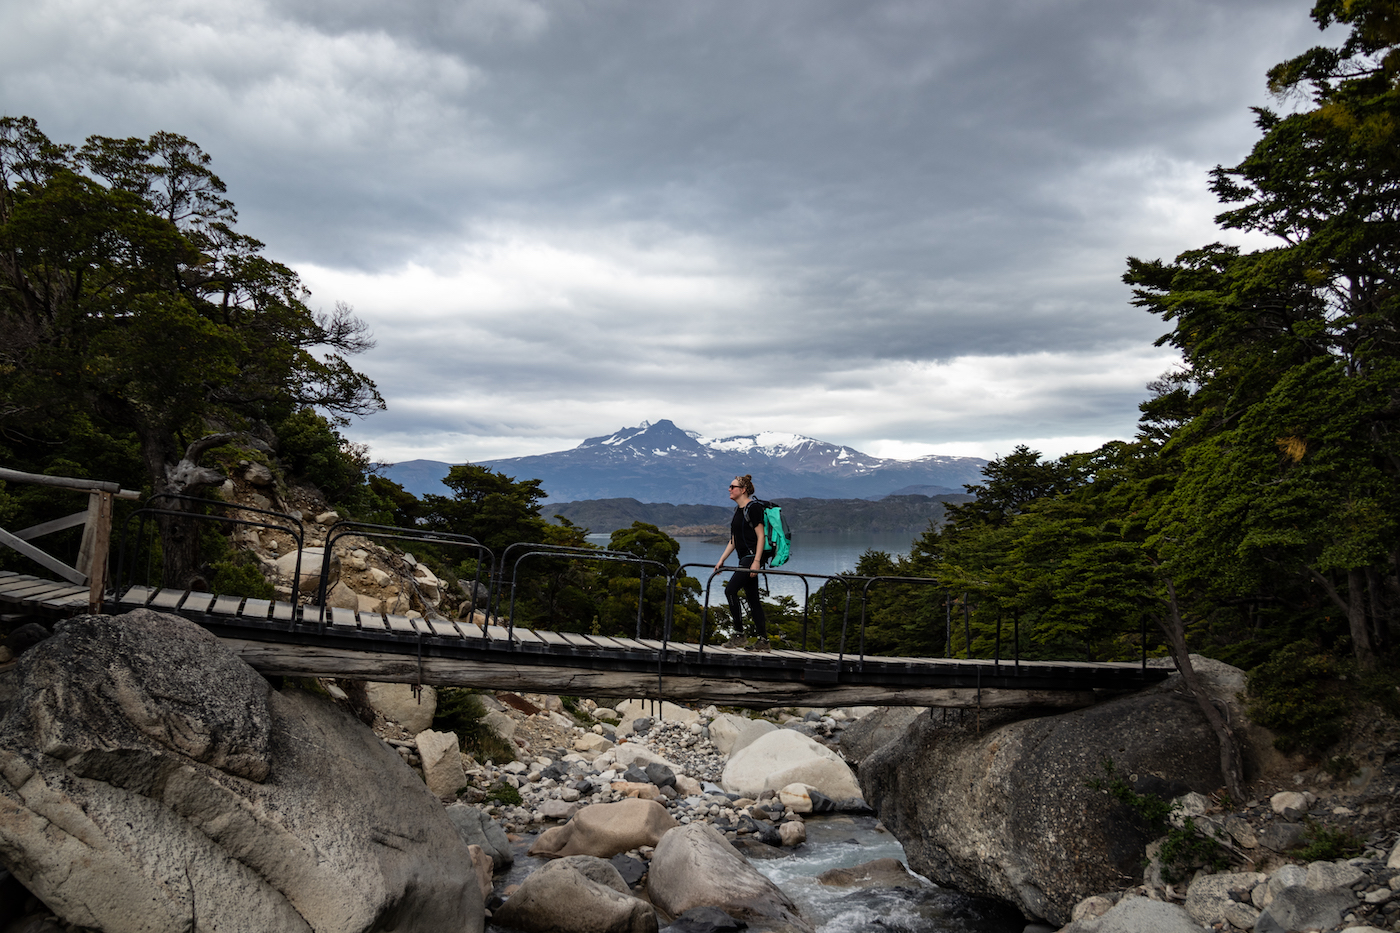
column 401, row 624
column 70, row 598
column 26, row 589
column 50, row 591
column 167, row 599
column 198, row 602
column 226, row 606
column 283, row 611
column 138, row 595
column 373, row 622
column 341, row 618
column 441, row 628
column 256, row 608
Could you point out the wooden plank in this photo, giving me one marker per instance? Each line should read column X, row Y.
column 198, row 602
column 22, row 589
column 341, row 618
column 46, row 589
column 256, row 608
column 138, row 595
column 318, row 661
column 42, row 558
column 283, row 611
column 167, row 599
column 226, row 606
column 373, row 622
column 74, row 596
column 400, row 625
column 441, row 627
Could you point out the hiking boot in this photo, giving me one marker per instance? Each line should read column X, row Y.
column 738, row 641
column 758, row 644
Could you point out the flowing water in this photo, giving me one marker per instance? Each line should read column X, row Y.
column 841, row 841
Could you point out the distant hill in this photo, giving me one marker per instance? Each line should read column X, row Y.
column 661, row 463
column 807, row 515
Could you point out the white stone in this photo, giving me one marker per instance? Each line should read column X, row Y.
column 442, row 762
column 396, row 703
column 783, row 757
column 1288, row 799
column 380, row 577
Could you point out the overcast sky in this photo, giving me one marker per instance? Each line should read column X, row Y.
column 895, row 225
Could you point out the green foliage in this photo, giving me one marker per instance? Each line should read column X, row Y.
column 620, row 587
column 502, row 792
column 1297, row 695
column 311, row 447
column 239, row 576
column 1325, row 843
column 460, row 711
column 1184, row 846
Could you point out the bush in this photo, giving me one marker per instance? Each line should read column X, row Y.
column 461, row 711
column 1297, row 695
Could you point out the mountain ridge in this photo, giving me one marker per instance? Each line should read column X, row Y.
column 660, row 462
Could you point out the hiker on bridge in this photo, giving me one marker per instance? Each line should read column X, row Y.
column 745, row 537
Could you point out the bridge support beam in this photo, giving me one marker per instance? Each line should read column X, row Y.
column 287, row 660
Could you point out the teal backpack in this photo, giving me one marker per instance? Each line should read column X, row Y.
column 777, row 536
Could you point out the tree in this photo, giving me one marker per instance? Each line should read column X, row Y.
column 622, row 588
column 127, row 295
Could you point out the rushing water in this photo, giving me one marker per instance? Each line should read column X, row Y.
column 842, row 841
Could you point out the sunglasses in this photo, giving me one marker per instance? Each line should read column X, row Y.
column 735, row 486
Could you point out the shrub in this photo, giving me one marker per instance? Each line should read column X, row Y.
column 461, row 711
column 1296, row 694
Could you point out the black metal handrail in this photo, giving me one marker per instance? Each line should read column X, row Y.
column 577, row 553
column 292, row 527
column 346, row 527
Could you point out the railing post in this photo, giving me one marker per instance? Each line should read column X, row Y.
column 99, row 526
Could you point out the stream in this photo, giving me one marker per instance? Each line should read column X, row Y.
column 841, row 841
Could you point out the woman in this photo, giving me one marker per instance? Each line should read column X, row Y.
column 746, row 537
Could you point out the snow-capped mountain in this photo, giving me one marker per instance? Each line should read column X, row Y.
column 663, row 463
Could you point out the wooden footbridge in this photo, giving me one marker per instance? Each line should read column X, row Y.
column 306, row 640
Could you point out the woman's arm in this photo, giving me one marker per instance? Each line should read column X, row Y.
column 728, row 549
column 758, row 554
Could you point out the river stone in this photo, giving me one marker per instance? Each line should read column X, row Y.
column 605, row 829
column 879, row 873
column 782, row 757
column 693, row 866
column 881, row 727
column 792, row 833
column 750, row 734
column 705, row 920
column 579, row 894
column 999, row 804
column 476, row 828
column 483, row 868
column 724, row 729
column 1138, row 915
column 150, row 780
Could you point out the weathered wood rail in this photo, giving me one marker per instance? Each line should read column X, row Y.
column 279, row 638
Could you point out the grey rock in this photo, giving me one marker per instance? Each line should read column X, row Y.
column 1303, row 908
column 1281, row 836
column 576, row 894
column 147, row 773
column 1005, row 811
column 705, row 920
column 660, row 775
column 693, row 866
column 476, row 828
column 1138, row 915
column 1209, row 896
column 881, row 727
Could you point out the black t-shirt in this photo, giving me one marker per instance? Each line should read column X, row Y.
column 741, row 527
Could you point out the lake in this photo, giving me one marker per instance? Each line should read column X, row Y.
column 811, row 553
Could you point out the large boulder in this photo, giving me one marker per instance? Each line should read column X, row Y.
column 724, row 729
column 784, row 756
column 606, row 829
column 1000, row 804
column 577, row 894
column 693, row 866
column 1138, row 915
column 150, row 780
column 400, row 703
column 879, row 728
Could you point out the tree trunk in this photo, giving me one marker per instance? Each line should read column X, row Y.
column 1356, row 619
column 1230, row 760
column 179, row 536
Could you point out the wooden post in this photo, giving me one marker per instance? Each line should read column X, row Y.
column 100, row 528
